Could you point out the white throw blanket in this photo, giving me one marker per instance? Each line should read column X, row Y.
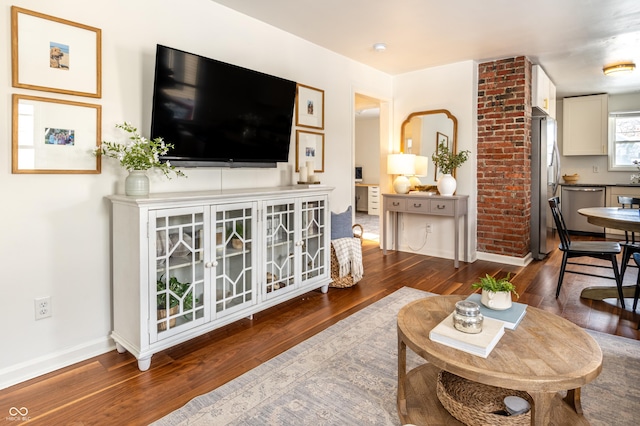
column 349, row 254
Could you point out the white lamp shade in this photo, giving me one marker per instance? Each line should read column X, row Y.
column 401, row 164
column 421, row 165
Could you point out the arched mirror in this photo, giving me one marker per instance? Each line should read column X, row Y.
column 423, row 131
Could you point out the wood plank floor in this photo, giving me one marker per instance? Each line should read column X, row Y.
column 109, row 389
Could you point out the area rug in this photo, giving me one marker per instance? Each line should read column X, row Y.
column 347, row 375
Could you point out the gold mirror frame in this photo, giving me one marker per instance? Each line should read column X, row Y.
column 453, row 143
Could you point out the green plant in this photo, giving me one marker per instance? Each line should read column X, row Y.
column 178, row 288
column 446, row 160
column 139, row 153
column 239, row 229
column 493, row 284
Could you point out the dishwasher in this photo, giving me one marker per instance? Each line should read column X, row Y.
column 575, row 198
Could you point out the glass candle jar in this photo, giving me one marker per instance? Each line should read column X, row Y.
column 467, row 317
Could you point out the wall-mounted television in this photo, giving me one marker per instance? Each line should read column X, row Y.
column 218, row 114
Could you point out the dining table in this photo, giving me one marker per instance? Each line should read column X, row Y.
column 624, row 219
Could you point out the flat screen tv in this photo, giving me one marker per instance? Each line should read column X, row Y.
column 218, row 114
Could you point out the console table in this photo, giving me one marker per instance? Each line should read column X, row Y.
column 454, row 206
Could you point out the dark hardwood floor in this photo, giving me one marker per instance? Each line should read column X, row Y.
column 109, row 389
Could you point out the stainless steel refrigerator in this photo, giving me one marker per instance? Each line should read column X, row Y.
column 545, row 177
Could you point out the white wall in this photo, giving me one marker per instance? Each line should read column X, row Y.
column 583, row 164
column 453, row 87
column 56, row 234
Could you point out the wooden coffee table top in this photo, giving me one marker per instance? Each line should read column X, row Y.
column 546, row 353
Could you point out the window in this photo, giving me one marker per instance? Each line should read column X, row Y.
column 624, row 140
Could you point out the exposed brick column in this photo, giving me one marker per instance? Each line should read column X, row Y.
column 504, row 156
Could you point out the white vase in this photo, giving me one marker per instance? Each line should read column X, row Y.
column 137, row 183
column 497, row 300
column 447, row 185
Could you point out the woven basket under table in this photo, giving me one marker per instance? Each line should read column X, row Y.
column 474, row 403
column 336, row 280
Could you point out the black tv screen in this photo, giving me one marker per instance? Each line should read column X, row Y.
column 218, row 114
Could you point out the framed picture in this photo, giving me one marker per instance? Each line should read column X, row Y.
column 440, row 138
column 310, row 147
column 55, row 55
column 54, row 136
column 309, row 107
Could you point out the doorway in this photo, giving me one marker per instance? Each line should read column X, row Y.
column 367, row 137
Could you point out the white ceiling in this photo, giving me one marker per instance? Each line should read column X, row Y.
column 571, row 39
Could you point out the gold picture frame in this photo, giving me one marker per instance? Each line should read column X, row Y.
column 51, row 136
column 74, row 65
column 309, row 107
column 310, row 147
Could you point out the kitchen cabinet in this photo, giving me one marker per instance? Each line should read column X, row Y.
column 585, row 125
column 543, row 92
column 187, row 263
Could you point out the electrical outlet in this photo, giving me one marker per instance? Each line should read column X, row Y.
column 596, row 169
column 428, row 228
column 43, row 307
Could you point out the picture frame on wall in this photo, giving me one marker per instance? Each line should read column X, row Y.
column 52, row 136
column 440, row 138
column 55, row 55
column 310, row 147
column 309, row 107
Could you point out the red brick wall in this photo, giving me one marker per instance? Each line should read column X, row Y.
column 504, row 156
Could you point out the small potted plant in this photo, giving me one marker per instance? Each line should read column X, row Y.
column 447, row 162
column 137, row 156
column 496, row 292
column 181, row 290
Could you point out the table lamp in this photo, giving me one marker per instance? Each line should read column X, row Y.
column 401, row 165
column 421, row 165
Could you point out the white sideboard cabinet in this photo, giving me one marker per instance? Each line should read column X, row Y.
column 187, row 263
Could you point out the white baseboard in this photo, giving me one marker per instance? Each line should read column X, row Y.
column 508, row 260
column 45, row 364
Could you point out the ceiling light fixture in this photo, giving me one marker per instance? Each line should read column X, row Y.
column 619, row 67
column 379, row 47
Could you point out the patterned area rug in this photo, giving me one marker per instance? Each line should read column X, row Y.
column 346, row 375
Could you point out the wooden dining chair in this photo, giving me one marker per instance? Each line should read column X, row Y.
column 606, row 250
column 631, row 244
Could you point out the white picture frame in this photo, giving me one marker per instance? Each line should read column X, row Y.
column 309, row 107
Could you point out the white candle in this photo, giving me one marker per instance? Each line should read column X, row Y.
column 303, row 174
column 311, row 165
column 312, row 178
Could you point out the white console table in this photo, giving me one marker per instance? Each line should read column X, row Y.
column 454, row 206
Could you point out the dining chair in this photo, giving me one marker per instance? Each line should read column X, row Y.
column 636, row 258
column 606, row 250
column 631, row 244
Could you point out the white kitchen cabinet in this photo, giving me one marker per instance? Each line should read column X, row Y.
column 585, row 125
column 543, row 92
column 232, row 253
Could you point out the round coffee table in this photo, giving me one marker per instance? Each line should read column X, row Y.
column 544, row 355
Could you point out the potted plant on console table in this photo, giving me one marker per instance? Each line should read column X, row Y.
column 447, row 162
column 137, row 156
column 496, row 293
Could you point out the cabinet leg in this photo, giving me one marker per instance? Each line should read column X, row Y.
column 324, row 289
column 121, row 349
column 144, row 363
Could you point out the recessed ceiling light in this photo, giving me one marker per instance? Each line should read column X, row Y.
column 618, row 68
column 379, row 47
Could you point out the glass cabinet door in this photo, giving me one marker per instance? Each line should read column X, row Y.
column 235, row 258
column 280, row 248
column 314, row 242
column 177, row 286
